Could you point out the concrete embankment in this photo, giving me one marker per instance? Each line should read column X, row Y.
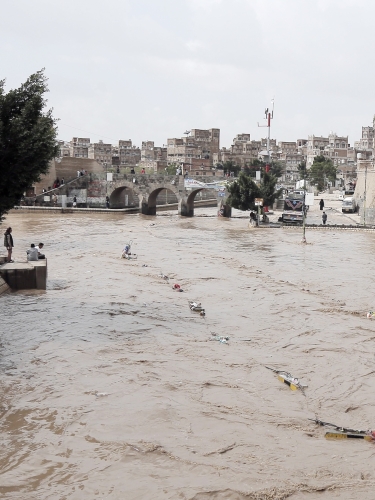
column 25, row 275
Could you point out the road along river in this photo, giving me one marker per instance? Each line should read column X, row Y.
column 112, row 388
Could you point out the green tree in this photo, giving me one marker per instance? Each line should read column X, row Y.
column 277, row 168
column 27, row 139
column 321, row 170
column 243, row 191
column 253, row 166
column 268, row 190
column 230, row 166
column 171, row 169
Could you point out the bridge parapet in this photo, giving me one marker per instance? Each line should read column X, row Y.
column 142, row 190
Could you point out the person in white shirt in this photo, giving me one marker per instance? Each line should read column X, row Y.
column 40, row 248
column 32, row 253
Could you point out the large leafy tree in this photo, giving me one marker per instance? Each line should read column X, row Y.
column 230, row 166
column 276, row 167
column 27, row 139
column 244, row 190
column 268, row 190
column 321, row 170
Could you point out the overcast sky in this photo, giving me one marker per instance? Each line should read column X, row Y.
column 150, row 69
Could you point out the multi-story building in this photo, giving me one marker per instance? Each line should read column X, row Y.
column 242, row 151
column 101, row 152
column 366, row 143
column 153, row 158
column 192, row 150
column 334, row 147
column 64, row 149
column 302, row 146
column 79, row 147
column 287, row 147
column 128, row 154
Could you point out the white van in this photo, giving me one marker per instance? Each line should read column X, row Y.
column 348, row 205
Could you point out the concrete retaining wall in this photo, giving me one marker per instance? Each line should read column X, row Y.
column 25, row 275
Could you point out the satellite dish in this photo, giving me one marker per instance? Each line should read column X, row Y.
column 187, row 132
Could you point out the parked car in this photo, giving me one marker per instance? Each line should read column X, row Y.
column 349, row 205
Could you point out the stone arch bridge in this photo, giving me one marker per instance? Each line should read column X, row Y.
column 143, row 191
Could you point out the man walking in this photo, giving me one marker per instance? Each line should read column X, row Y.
column 324, row 218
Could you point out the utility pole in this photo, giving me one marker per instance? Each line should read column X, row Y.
column 364, row 198
column 304, row 207
column 268, row 117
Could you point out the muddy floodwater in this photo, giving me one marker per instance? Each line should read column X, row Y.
column 112, row 388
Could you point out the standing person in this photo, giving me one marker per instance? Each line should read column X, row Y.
column 75, row 202
column 107, row 201
column 324, row 218
column 62, row 181
column 8, row 243
column 78, row 173
column 321, row 204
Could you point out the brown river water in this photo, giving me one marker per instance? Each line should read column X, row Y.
column 111, row 388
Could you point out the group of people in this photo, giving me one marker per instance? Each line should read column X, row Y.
column 34, row 253
column 57, row 183
column 81, row 173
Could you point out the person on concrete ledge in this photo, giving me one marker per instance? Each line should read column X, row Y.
column 40, row 248
column 8, row 243
column 32, row 252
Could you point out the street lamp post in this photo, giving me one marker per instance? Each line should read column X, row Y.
column 364, row 198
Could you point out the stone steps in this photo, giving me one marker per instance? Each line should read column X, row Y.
column 3, row 286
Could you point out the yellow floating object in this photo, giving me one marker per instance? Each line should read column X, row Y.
column 341, row 435
column 288, row 382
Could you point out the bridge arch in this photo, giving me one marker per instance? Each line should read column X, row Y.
column 187, row 206
column 122, row 191
column 149, row 205
column 123, row 197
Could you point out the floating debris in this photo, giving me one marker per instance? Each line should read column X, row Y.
column 338, row 427
column 197, row 306
column 101, row 394
column 345, row 435
column 288, row 379
column 220, row 338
